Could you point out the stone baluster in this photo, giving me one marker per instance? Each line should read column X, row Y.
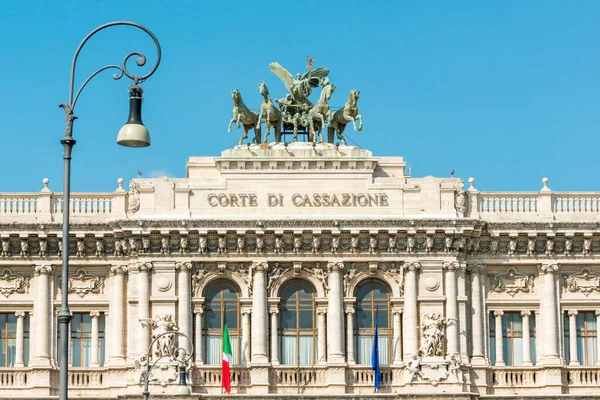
column 477, row 357
column 274, row 310
column 41, row 312
column 198, row 358
column 246, row 311
column 184, row 305
column 573, row 359
column 499, row 345
column 526, row 338
column 259, row 313
column 350, row 334
column 117, row 314
column 451, row 308
column 335, row 320
column 143, row 338
column 94, row 360
column 19, row 351
column 397, row 311
column 549, row 314
column 411, row 320
column 321, row 335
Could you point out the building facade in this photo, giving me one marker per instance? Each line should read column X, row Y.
column 303, row 250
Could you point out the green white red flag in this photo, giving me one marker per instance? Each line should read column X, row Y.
column 227, row 357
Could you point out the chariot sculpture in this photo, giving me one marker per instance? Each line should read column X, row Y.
column 295, row 113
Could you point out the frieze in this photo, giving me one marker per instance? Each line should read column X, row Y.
column 13, row 283
column 584, row 282
column 512, row 282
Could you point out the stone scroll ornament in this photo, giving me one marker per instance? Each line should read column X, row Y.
column 584, row 282
column 512, row 282
column 12, row 283
column 82, row 283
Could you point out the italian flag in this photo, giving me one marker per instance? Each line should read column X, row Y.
column 227, row 357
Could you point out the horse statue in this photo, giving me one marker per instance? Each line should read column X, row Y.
column 341, row 117
column 319, row 113
column 270, row 113
column 247, row 117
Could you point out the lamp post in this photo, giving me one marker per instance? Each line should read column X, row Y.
column 133, row 134
column 177, row 354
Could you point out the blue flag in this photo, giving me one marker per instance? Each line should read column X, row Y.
column 375, row 356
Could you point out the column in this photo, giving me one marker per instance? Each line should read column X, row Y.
column 19, row 356
column 259, row 311
column 477, row 315
column 411, row 320
column 462, row 310
column 499, row 345
column 143, row 337
column 573, row 360
column 184, row 304
column 451, row 308
column 198, row 337
column 597, row 337
column 549, row 314
column 526, row 338
column 117, row 314
column 335, row 309
column 94, row 362
column 41, row 312
column 397, row 335
column 321, row 335
column 246, row 311
column 274, row 310
column 350, row 334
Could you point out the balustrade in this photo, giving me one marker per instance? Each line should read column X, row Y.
column 583, row 376
column 14, row 378
column 291, row 376
column 211, row 377
column 18, row 204
column 84, row 377
column 515, row 376
column 366, row 376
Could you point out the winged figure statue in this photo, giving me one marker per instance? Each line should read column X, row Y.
column 301, row 86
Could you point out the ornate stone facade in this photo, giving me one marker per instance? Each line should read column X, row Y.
column 460, row 266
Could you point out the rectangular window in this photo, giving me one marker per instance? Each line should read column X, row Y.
column 587, row 332
column 492, row 325
column 81, row 340
column 512, row 338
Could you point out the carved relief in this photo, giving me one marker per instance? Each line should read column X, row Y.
column 512, row 282
column 432, row 335
column 82, row 283
column 13, row 283
column 133, row 203
column 584, row 282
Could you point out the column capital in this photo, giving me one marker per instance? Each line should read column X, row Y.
column 451, row 266
column 199, row 310
column 274, row 309
column 94, row 314
column 412, row 266
column 142, row 266
column 119, row 269
column 549, row 268
column 260, row 266
column 321, row 310
column 498, row 313
column 335, row 266
column 397, row 310
column 572, row 313
column 246, row 310
column 183, row 266
column 476, row 268
column 20, row 314
column 526, row 313
column 349, row 310
column 42, row 269
column 597, row 312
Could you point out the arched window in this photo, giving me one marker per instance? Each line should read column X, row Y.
column 372, row 301
column 221, row 301
column 297, row 324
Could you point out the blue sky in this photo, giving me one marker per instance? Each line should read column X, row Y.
column 506, row 92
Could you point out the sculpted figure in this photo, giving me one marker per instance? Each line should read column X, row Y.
column 133, row 200
column 354, row 244
column 494, row 246
column 274, row 274
column 348, row 277
column 278, row 245
column 43, row 248
column 183, row 244
column 339, row 119
column 241, row 244
column 449, row 241
column 414, row 368
column 270, row 114
column 321, row 276
column 300, row 88
column 118, row 248
column 146, row 244
column 460, row 199
column 247, row 117
column 373, row 244
column 392, row 244
column 432, row 333
column 411, row 244
column 24, row 248
column 531, row 247
column 222, row 249
column 316, row 244
column 260, row 244
column 162, row 324
column 568, row 246
column 203, row 245
column 5, row 248
column 197, row 281
column 60, row 247
column 512, row 247
column 126, row 247
column 319, row 114
column 335, row 244
column 549, row 246
column 164, row 245
column 134, row 246
column 99, row 248
column 587, row 246
column 429, row 244
column 297, row 120
column 297, row 244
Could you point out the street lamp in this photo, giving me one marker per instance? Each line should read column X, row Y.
column 179, row 354
column 133, row 134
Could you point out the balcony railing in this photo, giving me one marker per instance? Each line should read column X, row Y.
column 515, row 376
column 14, row 378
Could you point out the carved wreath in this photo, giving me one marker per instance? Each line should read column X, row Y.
column 512, row 282
column 585, row 282
column 12, row 283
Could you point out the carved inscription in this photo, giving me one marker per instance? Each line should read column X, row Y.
column 299, row 200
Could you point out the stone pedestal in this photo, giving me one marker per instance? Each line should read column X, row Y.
column 259, row 378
